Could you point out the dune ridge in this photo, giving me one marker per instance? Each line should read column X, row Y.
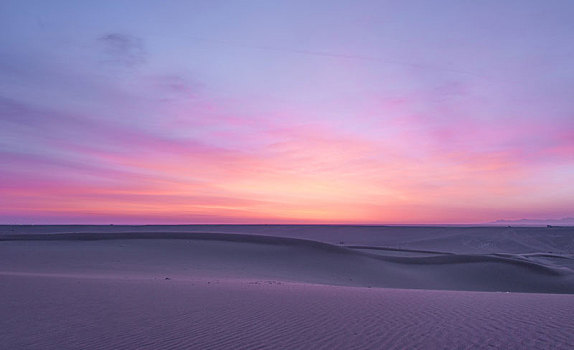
column 466, row 239
column 438, row 258
column 302, row 260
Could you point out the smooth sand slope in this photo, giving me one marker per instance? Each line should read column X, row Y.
column 222, row 288
column 52, row 312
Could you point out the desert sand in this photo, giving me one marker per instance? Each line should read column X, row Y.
column 286, row 287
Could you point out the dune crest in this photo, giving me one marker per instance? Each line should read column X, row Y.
column 238, row 255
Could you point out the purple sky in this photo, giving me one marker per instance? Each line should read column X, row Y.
column 286, row 111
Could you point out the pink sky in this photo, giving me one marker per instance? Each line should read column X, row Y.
column 356, row 112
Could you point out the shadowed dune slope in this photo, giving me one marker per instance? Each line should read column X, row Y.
column 182, row 255
column 455, row 239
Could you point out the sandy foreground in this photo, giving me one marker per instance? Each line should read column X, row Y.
column 285, row 287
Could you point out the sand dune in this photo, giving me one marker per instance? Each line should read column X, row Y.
column 225, row 288
column 468, row 240
column 82, row 313
column 290, row 259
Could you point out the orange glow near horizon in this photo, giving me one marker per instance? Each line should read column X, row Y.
column 284, row 185
column 368, row 112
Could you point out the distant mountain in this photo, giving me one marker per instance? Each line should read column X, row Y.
column 536, row 222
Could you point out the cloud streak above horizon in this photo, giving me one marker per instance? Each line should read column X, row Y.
column 251, row 112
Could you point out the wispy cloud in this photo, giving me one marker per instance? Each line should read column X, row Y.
column 123, row 49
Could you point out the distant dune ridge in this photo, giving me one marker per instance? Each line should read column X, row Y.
column 286, row 286
column 559, row 222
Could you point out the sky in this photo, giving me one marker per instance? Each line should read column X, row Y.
column 265, row 111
